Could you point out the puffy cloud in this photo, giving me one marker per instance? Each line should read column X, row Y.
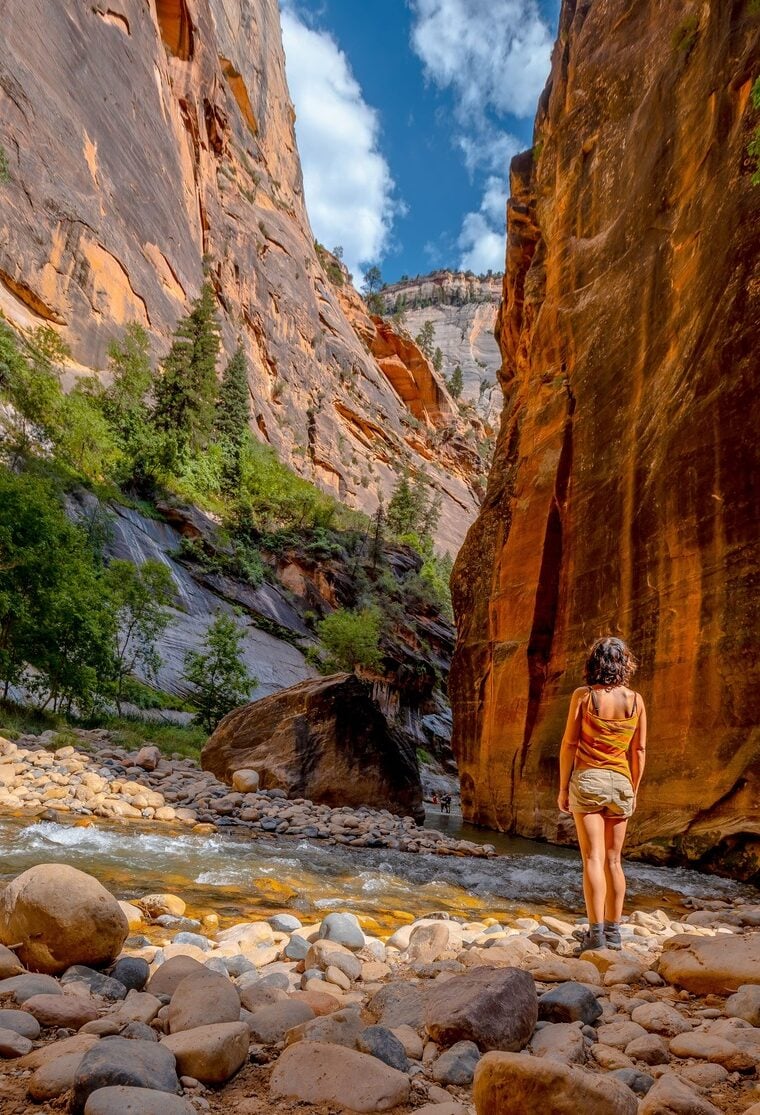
column 348, row 185
column 482, row 239
column 494, row 57
column 492, row 53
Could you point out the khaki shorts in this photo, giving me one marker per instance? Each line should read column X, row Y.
column 601, row 791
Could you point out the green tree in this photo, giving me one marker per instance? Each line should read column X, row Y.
column 231, row 417
column 425, row 339
column 754, row 143
column 351, row 639
column 438, row 359
column 409, row 506
column 140, row 597
column 186, row 390
column 54, row 615
column 373, row 280
column 216, row 676
column 456, row 382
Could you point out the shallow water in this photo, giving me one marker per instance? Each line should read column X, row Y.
column 236, row 876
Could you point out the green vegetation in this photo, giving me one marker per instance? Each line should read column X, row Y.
column 685, row 35
column 371, row 287
column 351, row 639
column 425, row 338
column 218, row 679
column 753, row 149
column 139, row 598
column 331, row 267
column 5, row 173
column 438, row 359
column 455, row 382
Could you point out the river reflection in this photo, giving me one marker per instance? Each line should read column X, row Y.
column 240, row 875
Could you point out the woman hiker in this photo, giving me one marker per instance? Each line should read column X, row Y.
column 600, row 768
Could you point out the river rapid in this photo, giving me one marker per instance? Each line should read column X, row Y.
column 239, row 876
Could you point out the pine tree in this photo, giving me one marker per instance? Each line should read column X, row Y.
column 232, row 405
column 424, row 339
column 438, row 359
column 186, row 390
column 456, row 382
column 217, row 676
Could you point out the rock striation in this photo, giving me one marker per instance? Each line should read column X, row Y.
column 163, row 133
column 620, row 498
column 324, row 739
column 463, row 309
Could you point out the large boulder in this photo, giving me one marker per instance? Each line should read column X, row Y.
column 497, row 1008
column 536, row 1085
column 323, row 739
column 711, row 965
column 59, row 916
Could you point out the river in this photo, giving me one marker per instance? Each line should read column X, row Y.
column 237, row 876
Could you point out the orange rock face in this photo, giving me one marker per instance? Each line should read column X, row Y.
column 621, row 496
column 161, row 133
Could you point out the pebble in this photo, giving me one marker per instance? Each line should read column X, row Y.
column 116, row 1060
column 13, row 1044
column 211, row 1054
column 136, row 1101
column 457, row 1065
column 382, row 1043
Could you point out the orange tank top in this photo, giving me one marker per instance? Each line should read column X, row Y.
column 604, row 743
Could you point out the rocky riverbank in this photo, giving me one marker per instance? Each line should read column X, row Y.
column 99, row 779
column 110, row 1007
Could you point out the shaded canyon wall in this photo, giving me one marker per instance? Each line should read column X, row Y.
column 623, row 498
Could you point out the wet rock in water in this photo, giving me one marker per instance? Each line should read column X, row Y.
column 107, row 987
column 671, row 1096
column 9, row 963
column 61, row 916
column 131, row 971
column 638, row 1082
column 116, row 1060
column 271, row 1023
column 569, row 1002
column 202, row 998
column 70, row 1011
column 745, row 1003
column 13, row 1044
column 535, row 1085
column 457, row 1065
column 497, row 1008
column 211, row 1054
column 711, row 965
column 382, row 1043
column 324, row 739
column 154, row 905
column 20, row 1021
column 137, row 1101
column 313, row 1072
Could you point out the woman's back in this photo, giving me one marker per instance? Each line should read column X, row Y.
column 609, row 721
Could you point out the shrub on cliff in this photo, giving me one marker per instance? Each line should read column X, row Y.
column 351, row 640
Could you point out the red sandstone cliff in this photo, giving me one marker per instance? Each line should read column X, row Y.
column 623, row 495
column 142, row 134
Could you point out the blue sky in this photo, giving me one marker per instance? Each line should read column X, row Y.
column 407, row 114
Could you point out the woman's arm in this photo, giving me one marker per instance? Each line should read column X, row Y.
column 639, row 747
column 569, row 746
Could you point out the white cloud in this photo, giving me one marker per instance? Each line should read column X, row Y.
column 482, row 241
column 494, row 57
column 348, row 185
column 492, row 53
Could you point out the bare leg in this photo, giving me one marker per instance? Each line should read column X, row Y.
column 590, row 828
column 614, row 837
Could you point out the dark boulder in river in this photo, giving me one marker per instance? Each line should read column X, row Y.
column 323, row 739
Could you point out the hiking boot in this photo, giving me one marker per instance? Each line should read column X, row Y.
column 591, row 938
column 612, row 935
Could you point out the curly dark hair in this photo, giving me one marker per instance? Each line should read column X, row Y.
column 609, row 662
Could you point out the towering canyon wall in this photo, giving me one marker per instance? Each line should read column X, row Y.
column 143, row 135
column 462, row 308
column 623, row 497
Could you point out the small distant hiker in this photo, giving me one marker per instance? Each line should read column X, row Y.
column 446, row 803
column 600, row 769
